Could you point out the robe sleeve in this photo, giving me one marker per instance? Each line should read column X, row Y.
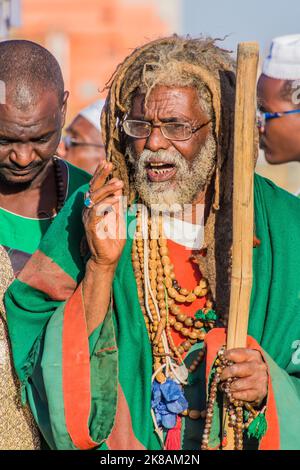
column 63, row 372
column 48, row 279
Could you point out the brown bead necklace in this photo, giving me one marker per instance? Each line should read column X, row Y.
column 60, row 188
column 158, row 292
column 159, row 295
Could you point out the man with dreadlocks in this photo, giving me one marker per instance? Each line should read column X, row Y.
column 109, row 342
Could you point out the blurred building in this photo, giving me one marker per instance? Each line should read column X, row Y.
column 89, row 38
column 10, row 15
column 286, row 175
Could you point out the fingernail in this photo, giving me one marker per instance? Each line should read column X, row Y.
column 118, row 184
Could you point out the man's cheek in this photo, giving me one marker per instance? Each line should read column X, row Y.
column 138, row 146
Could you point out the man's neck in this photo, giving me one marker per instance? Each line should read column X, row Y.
column 193, row 213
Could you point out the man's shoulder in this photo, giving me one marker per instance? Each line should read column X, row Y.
column 277, row 206
column 77, row 178
column 274, row 193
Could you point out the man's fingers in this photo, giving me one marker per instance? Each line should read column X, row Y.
column 255, row 387
column 244, row 369
column 246, row 395
column 246, row 383
column 100, row 208
column 100, row 176
column 108, row 205
column 98, row 170
column 243, row 355
column 119, row 193
column 110, row 189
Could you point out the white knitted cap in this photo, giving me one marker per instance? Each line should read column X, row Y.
column 92, row 113
column 283, row 61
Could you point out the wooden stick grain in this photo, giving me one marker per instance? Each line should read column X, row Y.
column 243, row 210
column 243, row 213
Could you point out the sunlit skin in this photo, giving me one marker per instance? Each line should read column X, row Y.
column 280, row 138
column 86, row 157
column 165, row 104
column 171, row 104
column 28, row 139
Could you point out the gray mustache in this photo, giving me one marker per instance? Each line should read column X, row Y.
column 162, row 155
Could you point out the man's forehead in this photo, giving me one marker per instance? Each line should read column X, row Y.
column 30, row 115
column 167, row 98
column 23, row 122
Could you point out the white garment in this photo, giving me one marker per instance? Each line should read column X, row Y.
column 184, row 233
column 283, row 61
column 92, row 113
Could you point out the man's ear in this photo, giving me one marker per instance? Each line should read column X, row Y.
column 64, row 108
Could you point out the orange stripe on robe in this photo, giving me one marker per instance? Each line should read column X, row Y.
column 76, row 373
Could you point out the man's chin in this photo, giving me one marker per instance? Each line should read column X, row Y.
column 163, row 197
column 11, row 177
column 162, row 186
column 273, row 158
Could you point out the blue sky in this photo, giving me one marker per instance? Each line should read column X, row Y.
column 259, row 20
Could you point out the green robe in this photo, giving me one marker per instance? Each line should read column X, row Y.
column 96, row 392
column 21, row 236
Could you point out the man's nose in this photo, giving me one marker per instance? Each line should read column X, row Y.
column 156, row 141
column 22, row 154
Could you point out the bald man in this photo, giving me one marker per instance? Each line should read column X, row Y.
column 34, row 185
column 82, row 145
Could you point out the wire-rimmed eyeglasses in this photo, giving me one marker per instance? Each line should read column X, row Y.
column 170, row 130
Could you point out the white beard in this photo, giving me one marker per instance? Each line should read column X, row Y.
column 190, row 179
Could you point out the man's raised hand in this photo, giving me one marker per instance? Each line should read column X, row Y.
column 104, row 220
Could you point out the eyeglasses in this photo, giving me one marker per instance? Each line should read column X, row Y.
column 71, row 142
column 262, row 118
column 170, row 130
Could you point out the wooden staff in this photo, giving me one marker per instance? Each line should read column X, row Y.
column 243, row 211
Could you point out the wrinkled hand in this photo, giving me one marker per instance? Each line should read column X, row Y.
column 104, row 223
column 250, row 370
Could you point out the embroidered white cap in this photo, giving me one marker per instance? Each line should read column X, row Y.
column 283, row 61
column 92, row 113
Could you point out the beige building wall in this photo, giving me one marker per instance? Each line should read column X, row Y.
column 286, row 176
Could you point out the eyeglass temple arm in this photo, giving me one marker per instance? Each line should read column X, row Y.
column 280, row 114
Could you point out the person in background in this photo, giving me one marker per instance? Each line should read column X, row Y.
column 34, row 185
column 82, row 145
column 278, row 94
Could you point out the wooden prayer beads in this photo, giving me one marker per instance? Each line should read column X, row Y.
column 234, row 407
column 167, row 293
